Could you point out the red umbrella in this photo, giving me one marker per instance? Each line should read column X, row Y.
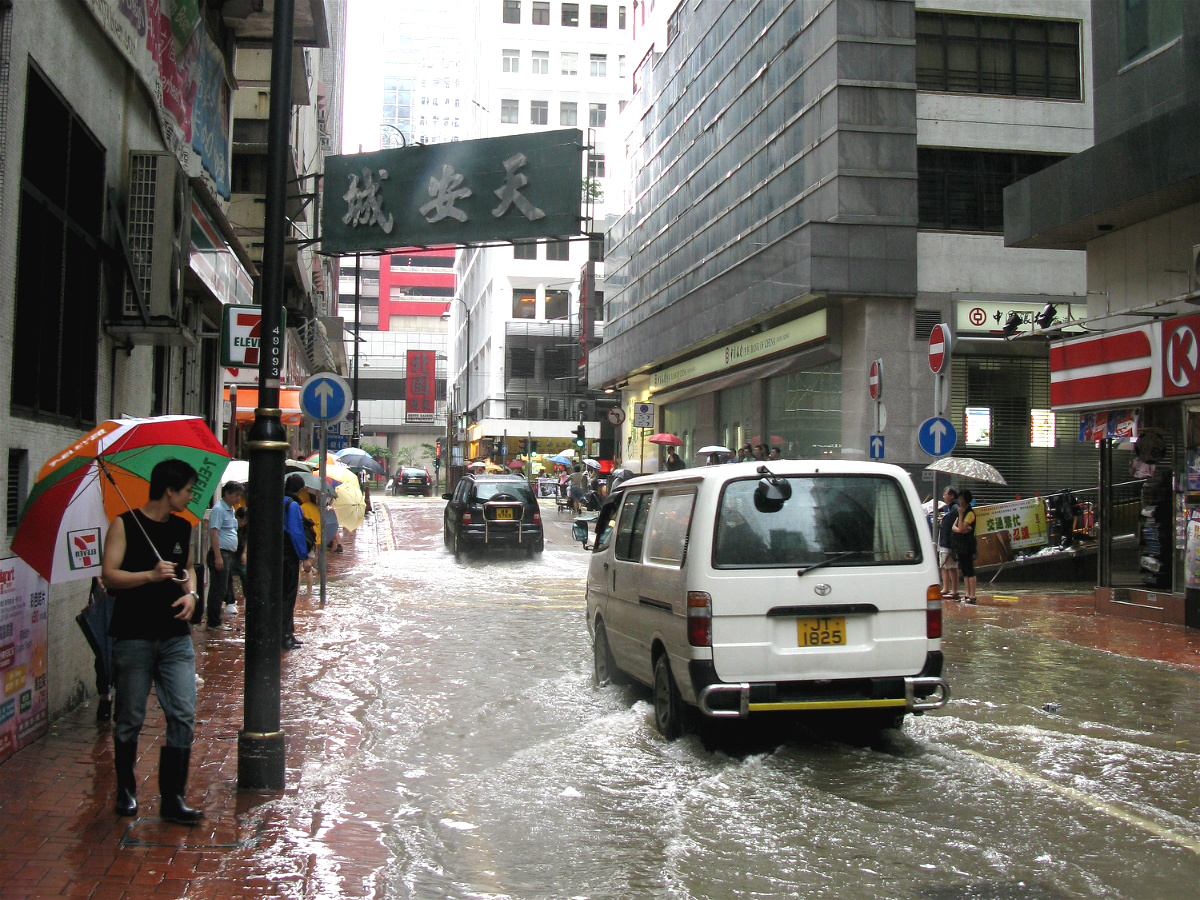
column 516, row 463
column 667, row 440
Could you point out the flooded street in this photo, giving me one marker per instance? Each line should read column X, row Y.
column 468, row 712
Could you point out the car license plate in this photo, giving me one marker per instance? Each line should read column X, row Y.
column 825, row 632
column 504, row 514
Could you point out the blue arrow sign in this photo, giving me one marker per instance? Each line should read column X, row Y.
column 937, row 436
column 325, row 397
column 877, row 446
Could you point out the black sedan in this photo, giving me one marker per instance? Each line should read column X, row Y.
column 414, row 480
column 493, row 511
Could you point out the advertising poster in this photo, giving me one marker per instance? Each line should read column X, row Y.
column 420, row 390
column 1024, row 520
column 24, row 704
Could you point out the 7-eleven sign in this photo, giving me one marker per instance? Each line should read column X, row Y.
column 240, row 335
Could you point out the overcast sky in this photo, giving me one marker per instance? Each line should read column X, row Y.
column 362, row 105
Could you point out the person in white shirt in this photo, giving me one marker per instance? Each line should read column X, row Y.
column 222, row 551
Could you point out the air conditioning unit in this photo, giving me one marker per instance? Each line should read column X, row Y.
column 557, row 410
column 158, row 221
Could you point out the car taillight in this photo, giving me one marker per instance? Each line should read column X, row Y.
column 466, row 519
column 699, row 619
column 537, row 518
column 933, row 611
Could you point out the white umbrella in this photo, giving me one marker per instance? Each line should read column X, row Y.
column 714, row 448
column 591, row 463
column 965, row 467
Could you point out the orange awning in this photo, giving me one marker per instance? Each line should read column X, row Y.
column 247, row 402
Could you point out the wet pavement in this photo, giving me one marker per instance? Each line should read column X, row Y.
column 445, row 740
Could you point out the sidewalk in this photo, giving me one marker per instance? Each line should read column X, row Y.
column 59, row 836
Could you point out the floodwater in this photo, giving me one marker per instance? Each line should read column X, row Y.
column 505, row 773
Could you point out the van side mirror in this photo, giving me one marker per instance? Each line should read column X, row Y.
column 771, row 494
column 579, row 532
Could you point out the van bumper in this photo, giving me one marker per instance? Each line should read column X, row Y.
column 915, row 693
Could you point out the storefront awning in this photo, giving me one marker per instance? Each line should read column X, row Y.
column 247, row 402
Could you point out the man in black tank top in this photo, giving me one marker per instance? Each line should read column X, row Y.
column 148, row 569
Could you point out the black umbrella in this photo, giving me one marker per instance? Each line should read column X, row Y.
column 93, row 620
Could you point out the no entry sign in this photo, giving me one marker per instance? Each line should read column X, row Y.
column 939, row 348
column 875, row 379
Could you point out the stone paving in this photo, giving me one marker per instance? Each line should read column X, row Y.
column 59, row 836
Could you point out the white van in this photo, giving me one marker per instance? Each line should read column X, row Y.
column 752, row 588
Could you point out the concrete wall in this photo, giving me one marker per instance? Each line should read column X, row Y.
column 1143, row 263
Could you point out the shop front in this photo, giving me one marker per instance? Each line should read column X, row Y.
column 1137, row 394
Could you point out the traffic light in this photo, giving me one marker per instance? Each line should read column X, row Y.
column 580, row 436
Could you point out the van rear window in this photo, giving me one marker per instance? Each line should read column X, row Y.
column 836, row 520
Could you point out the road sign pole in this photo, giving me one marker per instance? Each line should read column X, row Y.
column 321, row 509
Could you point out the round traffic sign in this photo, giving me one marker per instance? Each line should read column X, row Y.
column 875, row 379
column 325, row 397
column 939, row 348
column 615, row 416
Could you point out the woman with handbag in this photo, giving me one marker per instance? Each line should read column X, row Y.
column 965, row 548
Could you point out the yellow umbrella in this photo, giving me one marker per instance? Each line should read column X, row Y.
column 348, row 503
column 494, row 469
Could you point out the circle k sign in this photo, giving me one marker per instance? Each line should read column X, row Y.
column 1181, row 356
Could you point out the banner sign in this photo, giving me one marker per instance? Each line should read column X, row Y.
column 420, row 387
column 1024, row 520
column 241, row 337
column 24, row 701
column 508, row 188
column 167, row 45
column 1116, row 424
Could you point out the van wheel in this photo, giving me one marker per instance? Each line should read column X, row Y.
column 668, row 705
column 604, row 667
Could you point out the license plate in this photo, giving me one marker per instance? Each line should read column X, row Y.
column 827, row 632
column 504, row 514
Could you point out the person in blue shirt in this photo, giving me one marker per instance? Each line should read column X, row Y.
column 222, row 551
column 295, row 548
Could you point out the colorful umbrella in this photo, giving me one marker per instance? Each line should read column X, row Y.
column 667, row 440
column 966, row 467
column 105, row 473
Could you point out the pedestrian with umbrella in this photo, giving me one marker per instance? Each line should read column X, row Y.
column 222, row 552
column 148, row 567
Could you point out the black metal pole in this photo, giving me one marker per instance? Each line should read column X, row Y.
column 357, row 274
column 261, row 740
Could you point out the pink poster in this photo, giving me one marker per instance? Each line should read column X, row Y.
column 24, row 703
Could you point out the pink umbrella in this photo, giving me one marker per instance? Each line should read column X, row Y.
column 667, row 440
column 516, row 463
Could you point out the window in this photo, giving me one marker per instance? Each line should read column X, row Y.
column 522, row 363
column 539, row 111
column 596, row 115
column 511, row 62
column 962, row 190
column 568, row 113
column 525, row 250
column 570, row 15
column 669, row 528
column 621, row 65
column 557, row 363
column 835, row 520
column 541, row 62
column 557, row 304
column 599, row 16
column 541, row 13
column 631, row 529
column 598, row 306
column 604, row 528
column 570, row 63
column 512, row 12
column 595, row 165
column 509, row 110
column 1145, row 25
column 524, row 304
column 978, row 426
column 996, row 55
column 596, row 247
column 599, row 65
column 57, row 310
column 620, row 17
column 558, row 248
column 18, row 486
column 1041, row 428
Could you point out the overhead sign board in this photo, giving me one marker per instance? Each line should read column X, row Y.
column 241, row 339
column 515, row 187
column 325, row 397
column 978, row 316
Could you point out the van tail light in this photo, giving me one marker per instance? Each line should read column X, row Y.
column 466, row 519
column 699, row 619
column 933, row 611
column 537, row 518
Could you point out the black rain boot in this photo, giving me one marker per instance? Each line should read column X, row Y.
column 125, row 755
column 173, row 765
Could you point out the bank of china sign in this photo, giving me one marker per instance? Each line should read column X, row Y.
column 508, row 188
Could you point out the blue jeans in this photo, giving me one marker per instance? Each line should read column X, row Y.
column 170, row 665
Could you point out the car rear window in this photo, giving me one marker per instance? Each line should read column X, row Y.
column 835, row 520
column 487, row 490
